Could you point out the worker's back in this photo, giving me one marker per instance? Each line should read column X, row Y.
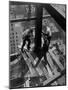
column 27, row 37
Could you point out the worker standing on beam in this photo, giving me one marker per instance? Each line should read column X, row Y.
column 26, row 38
column 47, row 38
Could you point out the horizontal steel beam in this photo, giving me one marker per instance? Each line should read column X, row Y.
column 26, row 19
column 18, row 3
column 22, row 3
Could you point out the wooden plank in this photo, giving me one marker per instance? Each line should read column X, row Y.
column 56, row 59
column 51, row 79
column 33, row 71
column 40, row 67
column 50, row 61
column 30, row 56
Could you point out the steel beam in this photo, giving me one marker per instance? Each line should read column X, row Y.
column 56, row 15
column 38, row 29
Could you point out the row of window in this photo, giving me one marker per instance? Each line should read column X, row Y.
column 13, row 49
column 13, row 43
column 13, row 37
column 13, row 33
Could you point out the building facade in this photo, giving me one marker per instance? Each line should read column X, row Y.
column 15, row 37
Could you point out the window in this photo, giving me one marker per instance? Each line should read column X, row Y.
column 16, row 36
column 16, row 40
column 16, row 32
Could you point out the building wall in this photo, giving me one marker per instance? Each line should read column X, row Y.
column 15, row 36
column 12, row 39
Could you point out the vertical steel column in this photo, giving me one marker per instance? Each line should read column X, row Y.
column 38, row 29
